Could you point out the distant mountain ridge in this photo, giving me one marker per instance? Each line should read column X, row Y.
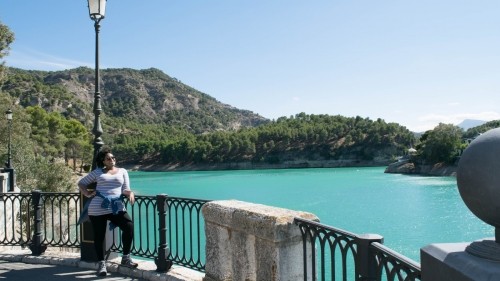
column 144, row 96
column 470, row 123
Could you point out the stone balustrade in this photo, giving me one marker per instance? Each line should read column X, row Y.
column 247, row 241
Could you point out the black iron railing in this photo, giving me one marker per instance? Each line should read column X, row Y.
column 186, row 232
column 17, row 219
column 183, row 229
column 393, row 265
column 171, row 230
column 60, row 212
column 334, row 254
column 37, row 220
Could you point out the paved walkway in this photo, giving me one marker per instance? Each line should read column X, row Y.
column 28, row 272
column 57, row 265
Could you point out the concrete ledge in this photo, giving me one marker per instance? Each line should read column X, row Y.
column 265, row 222
column 146, row 269
column 252, row 242
column 450, row 262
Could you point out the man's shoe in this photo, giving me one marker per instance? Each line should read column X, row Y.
column 101, row 271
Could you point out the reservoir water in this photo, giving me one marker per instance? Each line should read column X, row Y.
column 408, row 211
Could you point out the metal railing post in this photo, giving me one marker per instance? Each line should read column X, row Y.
column 367, row 263
column 162, row 263
column 36, row 246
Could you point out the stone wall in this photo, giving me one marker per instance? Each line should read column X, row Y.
column 248, row 242
column 11, row 208
column 4, row 178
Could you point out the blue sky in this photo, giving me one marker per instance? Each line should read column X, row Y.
column 417, row 63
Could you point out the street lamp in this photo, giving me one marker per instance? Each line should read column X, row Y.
column 8, row 115
column 8, row 164
column 97, row 9
column 96, row 12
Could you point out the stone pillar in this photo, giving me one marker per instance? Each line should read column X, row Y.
column 7, row 181
column 478, row 181
column 251, row 242
column 4, row 177
column 6, row 221
column 452, row 262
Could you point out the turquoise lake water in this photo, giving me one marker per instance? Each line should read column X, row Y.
column 408, row 211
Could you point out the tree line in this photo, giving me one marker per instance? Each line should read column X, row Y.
column 302, row 136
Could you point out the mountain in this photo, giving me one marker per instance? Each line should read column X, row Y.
column 470, row 123
column 146, row 96
column 151, row 120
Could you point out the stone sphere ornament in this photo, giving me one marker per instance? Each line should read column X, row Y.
column 478, row 180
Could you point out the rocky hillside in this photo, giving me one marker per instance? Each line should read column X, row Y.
column 150, row 118
column 142, row 96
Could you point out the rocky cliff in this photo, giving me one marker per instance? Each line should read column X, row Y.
column 408, row 167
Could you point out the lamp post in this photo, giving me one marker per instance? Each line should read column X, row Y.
column 96, row 12
column 8, row 115
column 97, row 9
column 8, row 164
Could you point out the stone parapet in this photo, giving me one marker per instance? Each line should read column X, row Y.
column 246, row 241
column 451, row 262
column 9, row 210
column 4, row 178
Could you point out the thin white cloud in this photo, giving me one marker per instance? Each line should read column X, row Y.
column 295, row 98
column 32, row 59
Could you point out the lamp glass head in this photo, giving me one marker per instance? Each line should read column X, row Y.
column 8, row 114
column 97, row 8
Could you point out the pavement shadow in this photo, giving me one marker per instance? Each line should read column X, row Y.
column 42, row 272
